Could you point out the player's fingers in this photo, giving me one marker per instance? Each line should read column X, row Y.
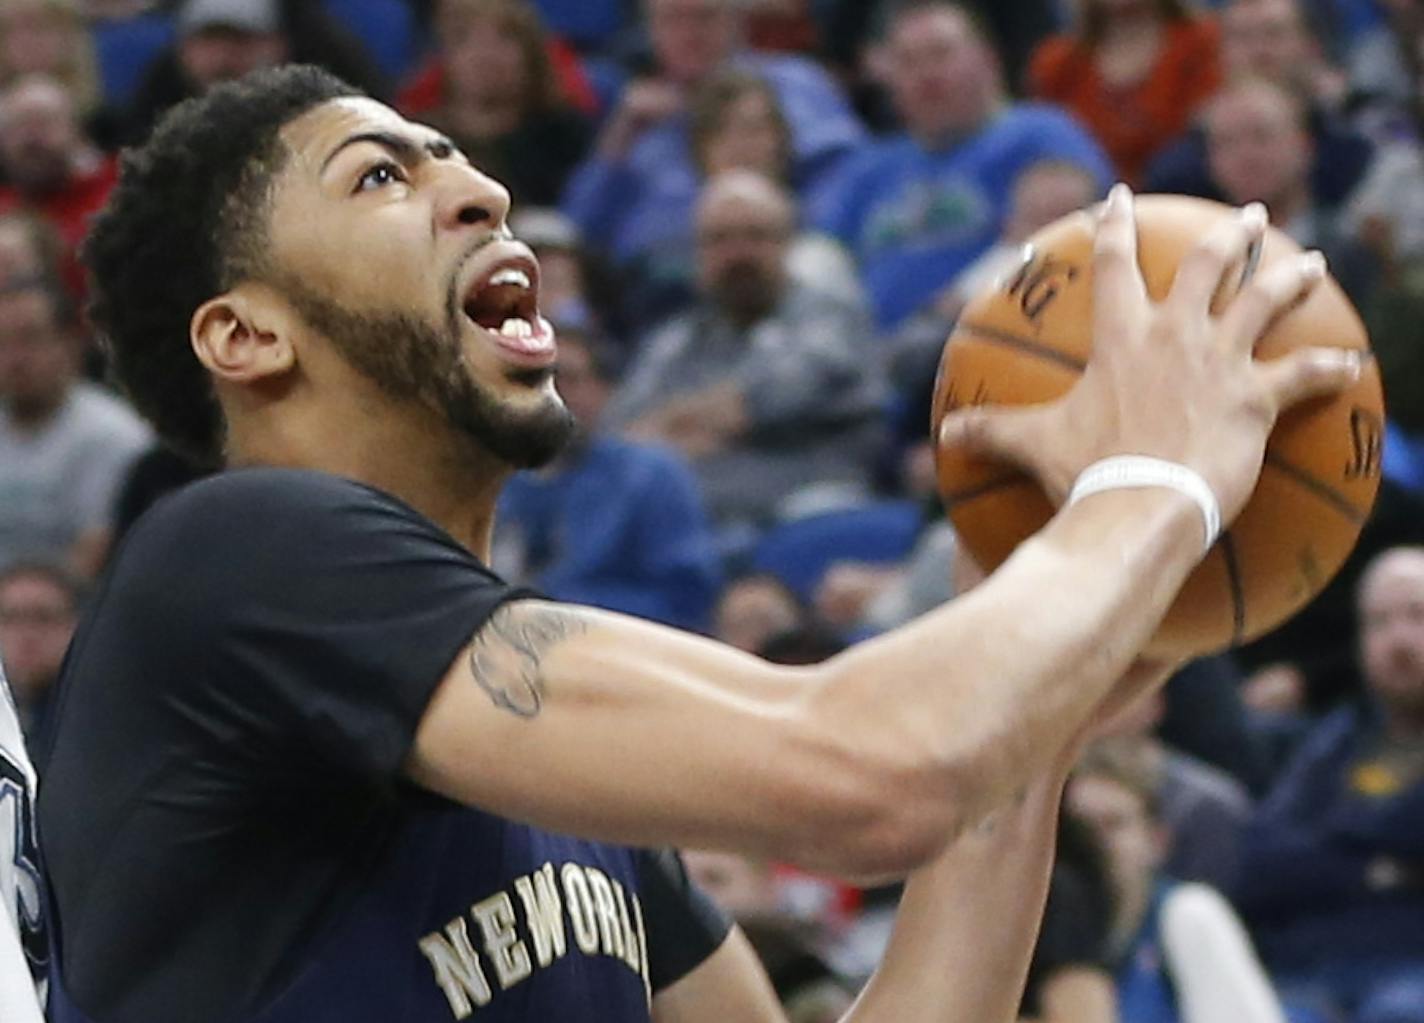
column 1273, row 291
column 1004, row 434
column 1202, row 268
column 1309, row 373
column 1118, row 291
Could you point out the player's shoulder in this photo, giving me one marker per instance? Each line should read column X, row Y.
column 270, row 491
column 268, row 508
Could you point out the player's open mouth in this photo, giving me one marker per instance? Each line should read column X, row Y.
column 504, row 301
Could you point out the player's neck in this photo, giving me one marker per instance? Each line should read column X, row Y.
column 453, row 484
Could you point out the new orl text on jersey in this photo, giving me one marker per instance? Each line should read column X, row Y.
column 494, row 943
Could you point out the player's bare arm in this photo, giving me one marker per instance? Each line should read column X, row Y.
column 506, row 658
column 886, row 751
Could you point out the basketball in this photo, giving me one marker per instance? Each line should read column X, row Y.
column 1026, row 340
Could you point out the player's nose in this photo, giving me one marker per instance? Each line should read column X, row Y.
column 467, row 198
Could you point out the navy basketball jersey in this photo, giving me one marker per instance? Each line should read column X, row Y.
column 227, row 827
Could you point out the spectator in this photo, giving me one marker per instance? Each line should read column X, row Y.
column 39, row 608
column 1306, row 667
column 755, row 610
column 1394, row 334
column 1133, row 71
column 1205, row 717
column 785, row 941
column 49, row 37
column 644, row 547
column 1258, row 148
column 500, row 101
column 1202, row 808
column 643, row 165
column 1384, row 67
column 1068, row 980
column 1177, row 950
column 576, row 284
column 1333, row 868
column 735, row 121
column 52, row 170
column 1016, row 29
column 1041, row 193
column 916, row 210
column 593, row 25
column 30, row 250
column 1272, row 39
column 64, row 444
column 766, row 385
column 222, row 40
column 863, row 599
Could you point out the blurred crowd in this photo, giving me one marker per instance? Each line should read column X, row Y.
column 757, row 221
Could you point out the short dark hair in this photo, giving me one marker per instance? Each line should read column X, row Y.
column 1093, row 20
column 185, row 222
column 715, row 98
column 898, row 9
column 522, row 20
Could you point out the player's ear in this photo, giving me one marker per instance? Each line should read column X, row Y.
column 245, row 335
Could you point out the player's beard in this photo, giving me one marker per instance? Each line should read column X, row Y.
column 410, row 360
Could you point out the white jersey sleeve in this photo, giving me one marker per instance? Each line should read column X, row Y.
column 23, row 946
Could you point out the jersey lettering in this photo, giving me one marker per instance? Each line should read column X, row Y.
column 606, row 919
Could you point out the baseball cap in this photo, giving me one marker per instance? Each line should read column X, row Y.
column 256, row 16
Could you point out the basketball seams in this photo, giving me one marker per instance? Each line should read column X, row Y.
column 1020, row 343
column 1227, row 544
column 1322, row 490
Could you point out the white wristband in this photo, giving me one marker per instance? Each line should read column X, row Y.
column 1126, row 472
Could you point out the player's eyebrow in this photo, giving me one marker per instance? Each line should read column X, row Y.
column 402, row 147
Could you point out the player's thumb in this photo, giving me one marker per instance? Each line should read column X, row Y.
column 1003, row 434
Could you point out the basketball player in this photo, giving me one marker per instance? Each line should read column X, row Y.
column 314, row 762
column 23, row 948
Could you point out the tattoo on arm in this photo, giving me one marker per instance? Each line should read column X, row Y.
column 506, row 656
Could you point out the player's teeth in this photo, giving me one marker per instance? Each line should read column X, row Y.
column 509, row 275
column 515, row 327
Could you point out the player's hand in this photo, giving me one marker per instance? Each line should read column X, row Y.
column 1170, row 379
column 644, row 103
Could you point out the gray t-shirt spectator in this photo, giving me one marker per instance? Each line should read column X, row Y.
column 58, row 482
column 812, row 387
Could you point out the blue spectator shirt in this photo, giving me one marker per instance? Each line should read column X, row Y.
column 914, row 218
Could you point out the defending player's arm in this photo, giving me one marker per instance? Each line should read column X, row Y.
column 595, row 723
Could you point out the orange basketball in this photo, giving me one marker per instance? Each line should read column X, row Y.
column 1025, row 342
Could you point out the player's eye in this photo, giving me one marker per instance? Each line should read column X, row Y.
column 385, row 173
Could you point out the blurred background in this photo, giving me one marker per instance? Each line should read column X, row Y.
column 758, row 220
